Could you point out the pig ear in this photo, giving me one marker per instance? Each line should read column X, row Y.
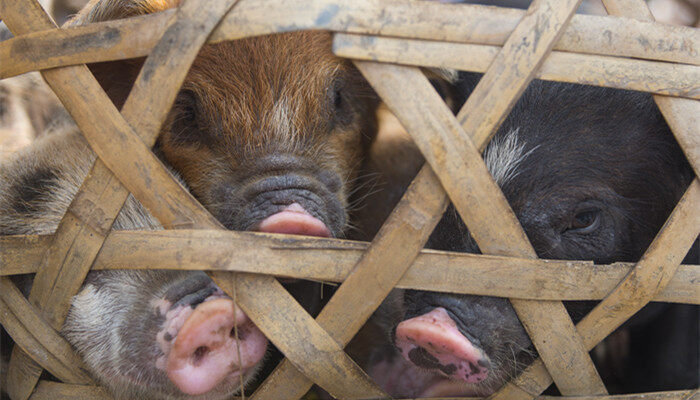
column 444, row 74
column 117, row 77
column 443, row 80
column 107, row 10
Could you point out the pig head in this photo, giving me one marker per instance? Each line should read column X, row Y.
column 591, row 174
column 267, row 133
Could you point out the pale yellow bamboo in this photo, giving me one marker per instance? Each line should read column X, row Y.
column 464, row 23
column 614, row 72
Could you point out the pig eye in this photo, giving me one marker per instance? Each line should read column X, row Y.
column 585, row 221
column 338, row 99
column 187, row 105
column 342, row 110
column 185, row 127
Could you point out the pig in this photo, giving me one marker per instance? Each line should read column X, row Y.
column 591, row 173
column 267, row 134
column 28, row 109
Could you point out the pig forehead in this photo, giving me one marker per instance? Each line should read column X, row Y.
column 287, row 62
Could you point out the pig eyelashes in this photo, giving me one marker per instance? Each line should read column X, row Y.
column 185, row 128
column 586, row 219
column 342, row 110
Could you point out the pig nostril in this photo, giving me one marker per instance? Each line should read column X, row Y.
column 199, row 354
column 241, row 333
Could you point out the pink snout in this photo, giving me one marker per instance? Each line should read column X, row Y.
column 205, row 351
column 433, row 341
column 295, row 220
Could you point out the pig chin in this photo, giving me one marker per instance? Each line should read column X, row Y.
column 402, row 379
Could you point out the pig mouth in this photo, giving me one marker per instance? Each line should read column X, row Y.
column 402, row 379
column 295, row 220
column 436, row 359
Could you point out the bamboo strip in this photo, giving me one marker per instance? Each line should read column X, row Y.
column 47, row 390
column 394, row 249
column 463, row 23
column 331, row 260
column 37, row 338
column 629, row 8
column 683, row 116
column 649, row 276
column 460, row 168
column 82, row 231
column 317, row 358
column 614, row 72
column 143, row 174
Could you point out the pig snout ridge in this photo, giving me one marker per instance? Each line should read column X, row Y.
column 206, row 352
column 294, row 219
column 433, row 341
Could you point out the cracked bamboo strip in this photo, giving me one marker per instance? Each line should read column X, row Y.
column 620, row 73
column 135, row 37
column 331, row 260
column 175, row 207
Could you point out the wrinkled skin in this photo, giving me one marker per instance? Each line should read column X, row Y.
column 591, row 174
column 267, row 134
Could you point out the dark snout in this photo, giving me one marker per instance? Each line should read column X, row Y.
column 288, row 194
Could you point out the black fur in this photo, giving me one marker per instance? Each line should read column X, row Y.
column 29, row 191
column 601, row 173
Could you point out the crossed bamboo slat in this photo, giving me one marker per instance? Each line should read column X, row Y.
column 84, row 235
column 166, row 199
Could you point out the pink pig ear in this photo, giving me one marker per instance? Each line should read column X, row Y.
column 294, row 220
column 433, row 341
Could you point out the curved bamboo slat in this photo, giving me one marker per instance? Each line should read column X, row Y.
column 331, row 260
column 33, row 334
column 166, row 199
column 82, row 230
column 677, row 80
column 136, row 37
column 84, row 239
column 652, row 273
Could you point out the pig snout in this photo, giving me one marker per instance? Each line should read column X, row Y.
column 206, row 339
column 293, row 203
column 433, row 341
column 294, row 219
column 208, row 349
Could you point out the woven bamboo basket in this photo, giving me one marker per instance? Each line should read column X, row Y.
column 388, row 40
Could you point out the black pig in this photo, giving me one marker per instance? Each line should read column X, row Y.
column 591, row 173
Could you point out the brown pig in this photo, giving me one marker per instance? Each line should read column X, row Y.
column 267, row 134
